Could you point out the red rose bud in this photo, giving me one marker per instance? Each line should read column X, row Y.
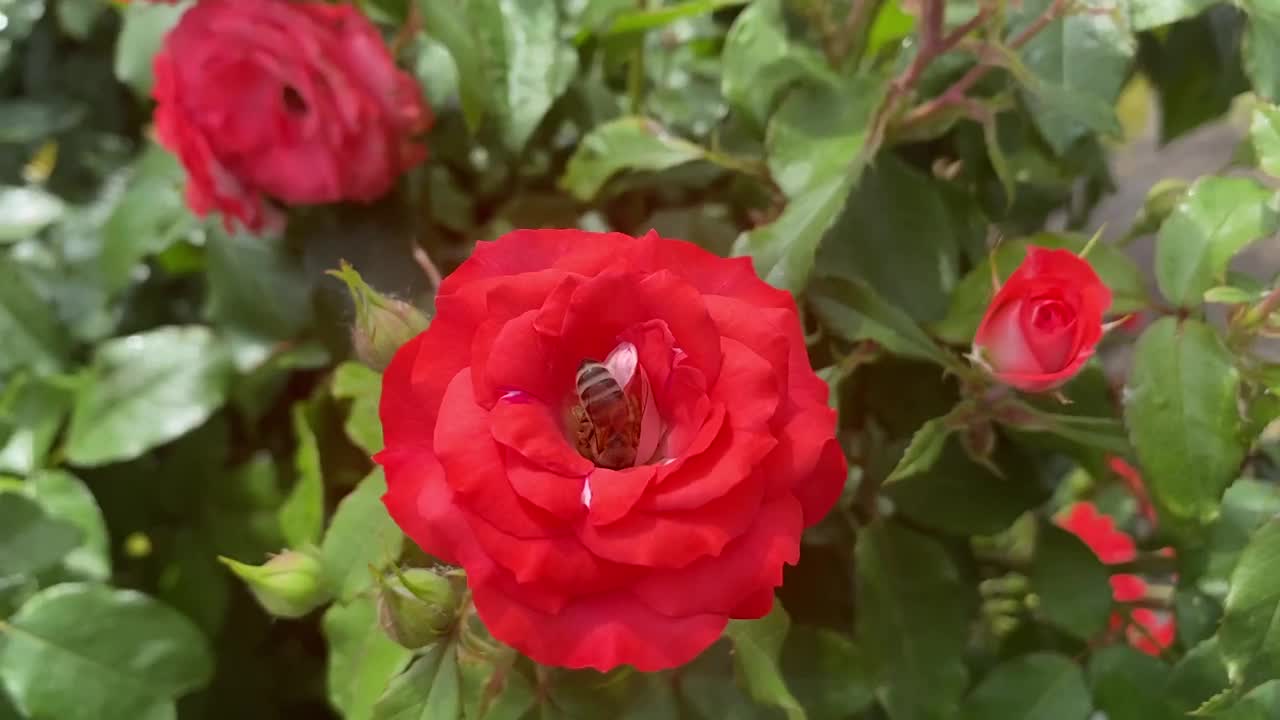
column 289, row 585
column 382, row 324
column 417, row 606
column 295, row 102
column 620, row 439
column 1044, row 323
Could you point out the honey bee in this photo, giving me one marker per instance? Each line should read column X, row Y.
column 608, row 420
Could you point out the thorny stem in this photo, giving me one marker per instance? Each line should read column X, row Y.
column 956, row 94
column 932, row 44
column 429, row 268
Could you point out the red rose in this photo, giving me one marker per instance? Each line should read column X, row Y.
column 722, row 451
column 1044, row 323
column 297, row 101
column 1099, row 532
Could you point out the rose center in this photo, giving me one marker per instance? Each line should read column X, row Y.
column 293, row 101
column 1052, row 316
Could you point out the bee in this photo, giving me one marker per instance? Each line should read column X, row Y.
column 608, row 420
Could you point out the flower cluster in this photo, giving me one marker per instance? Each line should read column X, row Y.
column 1145, row 628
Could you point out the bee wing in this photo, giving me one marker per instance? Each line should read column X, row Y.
column 650, row 422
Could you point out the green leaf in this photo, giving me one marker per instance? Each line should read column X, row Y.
column 830, row 676
column 1261, row 703
column 1261, row 63
column 25, row 211
column 89, row 652
column 971, row 297
column 25, row 121
column 255, row 287
column 926, row 224
column 1072, row 585
column 21, row 16
column 817, row 151
column 363, row 387
column 362, row 660
column 448, row 23
column 144, row 390
column 1249, row 636
column 759, row 61
column 302, row 514
column 891, row 326
column 783, row 250
column 36, row 412
column 145, row 26
column 1149, row 14
column 1227, row 295
column 33, row 338
column 1264, row 132
column 1198, row 676
column 917, row 641
column 1039, row 686
column 651, row 18
column 1078, row 65
column 67, row 499
column 819, row 133
column 757, row 646
column 523, row 63
column 923, row 451
column 1217, row 218
column 628, row 143
column 1182, row 417
column 77, row 17
column 962, row 497
column 150, row 216
column 360, row 535
column 1129, row 684
column 428, row 690
column 30, row 539
column 1246, row 505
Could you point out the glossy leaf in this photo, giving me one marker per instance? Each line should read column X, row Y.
column 1129, row 684
column 428, row 690
column 1260, row 61
column 1264, row 132
column 1182, row 417
column 36, row 412
column 1250, row 632
column 923, row 451
column 88, row 652
column 145, row 390
column 830, row 676
column 1217, row 218
column 917, row 641
column 1040, row 686
column 361, row 535
column 783, row 250
column 302, row 514
column 1072, row 585
column 759, row 61
column 33, row 337
column 628, row 143
column 25, row 211
column 757, row 646
column 30, row 539
column 363, row 387
column 1079, row 64
column 145, row 25
column 890, row 325
column 1149, row 14
column 362, row 660
column 67, row 499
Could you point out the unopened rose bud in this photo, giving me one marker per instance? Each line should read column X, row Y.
column 417, row 606
column 382, row 324
column 289, row 585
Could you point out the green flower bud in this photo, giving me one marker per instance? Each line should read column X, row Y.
column 289, row 585
column 382, row 324
column 417, row 606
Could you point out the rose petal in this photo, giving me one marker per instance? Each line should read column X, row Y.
column 614, row 492
column 598, row 631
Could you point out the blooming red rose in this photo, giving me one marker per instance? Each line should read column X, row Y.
column 1044, row 322
column 579, row 554
column 296, row 101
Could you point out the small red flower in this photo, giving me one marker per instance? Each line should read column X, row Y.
column 1133, row 481
column 1044, row 322
column 620, row 439
column 1099, row 532
column 299, row 102
column 1150, row 631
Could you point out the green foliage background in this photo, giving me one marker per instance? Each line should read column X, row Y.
column 171, row 393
